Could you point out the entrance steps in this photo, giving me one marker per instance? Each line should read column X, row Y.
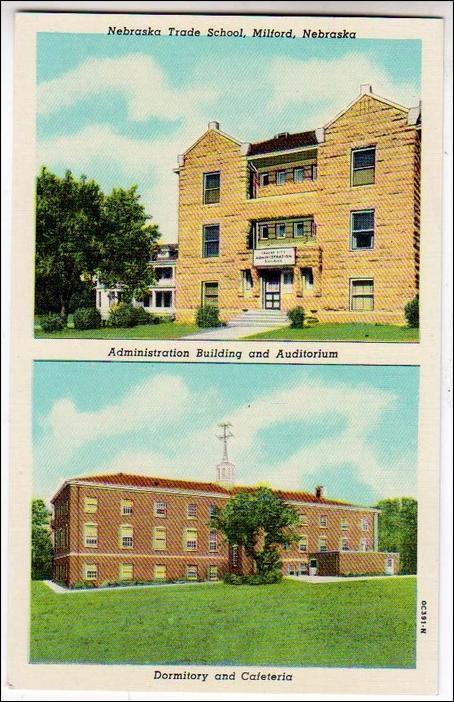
column 260, row 318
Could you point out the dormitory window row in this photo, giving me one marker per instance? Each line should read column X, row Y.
column 287, row 229
column 281, row 176
column 160, row 508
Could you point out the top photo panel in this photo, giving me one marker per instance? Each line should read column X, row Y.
column 227, row 187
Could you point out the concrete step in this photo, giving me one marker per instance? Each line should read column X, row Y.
column 260, row 318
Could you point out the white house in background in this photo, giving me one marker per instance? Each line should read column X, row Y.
column 161, row 296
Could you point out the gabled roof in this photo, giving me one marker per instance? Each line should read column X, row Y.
column 144, row 481
column 283, row 142
column 371, row 95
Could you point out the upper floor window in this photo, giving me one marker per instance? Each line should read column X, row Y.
column 280, row 230
column 322, row 544
column 90, row 504
column 213, row 540
column 163, row 273
column 302, row 545
column 211, row 240
column 280, row 177
column 364, row 524
column 192, row 511
column 159, row 538
column 160, row 509
column 211, row 188
column 364, row 545
column 344, row 544
column 91, row 535
column 362, row 229
column 264, row 178
column 363, row 166
column 126, row 506
column 126, row 536
column 323, row 521
column 264, row 231
column 298, row 175
column 213, row 511
column 344, row 525
column 190, row 540
column 306, row 227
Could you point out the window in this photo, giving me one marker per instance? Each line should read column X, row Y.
column 90, row 572
column 307, row 277
column 363, row 166
column 126, row 536
column 235, row 558
column 246, row 280
column 344, row 544
column 126, row 571
column 344, row 525
column 362, row 229
column 126, row 507
column 304, row 519
column 163, row 298
column 322, row 544
column 264, row 231
column 90, row 504
column 211, row 240
column 212, row 572
column 210, row 294
column 264, row 178
column 163, row 273
column 148, row 301
column 287, row 280
column 364, row 524
column 280, row 230
column 298, row 175
column 302, row 545
column 211, row 188
column 280, row 177
column 160, row 509
column 364, row 545
column 191, row 572
column 323, row 521
column 159, row 538
column 304, row 227
column 160, row 572
column 192, row 511
column 362, row 295
column 213, row 511
column 91, row 535
column 213, row 541
column 190, row 540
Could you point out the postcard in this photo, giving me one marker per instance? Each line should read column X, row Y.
column 224, row 470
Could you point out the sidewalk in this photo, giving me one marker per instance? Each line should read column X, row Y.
column 317, row 579
column 227, row 333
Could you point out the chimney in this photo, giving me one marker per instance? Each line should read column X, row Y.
column 365, row 89
column 319, row 492
column 213, row 125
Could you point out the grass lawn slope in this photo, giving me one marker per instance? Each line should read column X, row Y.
column 166, row 330
column 346, row 624
column 342, row 332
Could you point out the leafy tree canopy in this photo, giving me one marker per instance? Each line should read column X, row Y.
column 259, row 521
column 398, row 530
column 42, row 550
column 81, row 233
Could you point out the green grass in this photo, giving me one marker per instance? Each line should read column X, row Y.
column 342, row 332
column 165, row 330
column 346, row 624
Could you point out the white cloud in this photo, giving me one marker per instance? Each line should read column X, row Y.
column 137, row 77
column 331, row 84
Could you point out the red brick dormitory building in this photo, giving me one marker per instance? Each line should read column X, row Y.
column 134, row 527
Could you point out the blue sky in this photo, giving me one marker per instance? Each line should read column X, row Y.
column 121, row 109
column 351, row 428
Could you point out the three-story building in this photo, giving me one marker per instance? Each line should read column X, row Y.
column 325, row 219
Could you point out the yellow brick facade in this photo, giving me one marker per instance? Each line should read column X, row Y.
column 328, row 199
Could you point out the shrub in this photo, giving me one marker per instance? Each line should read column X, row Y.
column 142, row 316
column 82, row 584
column 122, row 315
column 296, row 316
column 207, row 316
column 86, row 318
column 256, row 579
column 52, row 323
column 232, row 579
column 84, row 297
column 412, row 312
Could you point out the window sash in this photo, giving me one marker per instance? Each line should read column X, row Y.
column 160, row 509
column 90, row 572
column 362, row 295
column 363, row 166
column 126, row 507
column 211, row 188
column 191, row 572
column 126, row 571
column 190, row 540
column 192, row 511
column 302, row 545
column 211, row 238
column 323, row 521
column 280, row 230
column 90, row 504
column 322, row 544
column 211, row 294
column 280, row 177
column 91, row 534
column 212, row 541
column 212, row 573
column 159, row 539
column 160, row 572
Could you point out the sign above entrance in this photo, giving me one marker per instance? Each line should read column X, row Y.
column 284, row 256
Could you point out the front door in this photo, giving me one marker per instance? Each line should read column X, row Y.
column 272, row 290
column 313, row 566
column 389, row 566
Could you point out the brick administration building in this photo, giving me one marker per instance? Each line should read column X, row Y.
column 134, row 527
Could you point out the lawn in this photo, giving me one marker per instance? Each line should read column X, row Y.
column 347, row 624
column 165, row 330
column 342, row 332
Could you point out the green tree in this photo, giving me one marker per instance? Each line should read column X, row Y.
column 82, row 234
column 42, row 550
column 398, row 530
column 259, row 521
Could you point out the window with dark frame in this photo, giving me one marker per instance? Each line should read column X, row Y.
column 211, row 240
column 363, row 166
column 163, row 298
column 280, row 177
column 211, row 188
column 210, row 294
column 362, row 229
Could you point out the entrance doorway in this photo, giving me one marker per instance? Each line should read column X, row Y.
column 313, row 566
column 389, row 566
column 271, row 290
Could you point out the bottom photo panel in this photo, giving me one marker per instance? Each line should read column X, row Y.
column 224, row 514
